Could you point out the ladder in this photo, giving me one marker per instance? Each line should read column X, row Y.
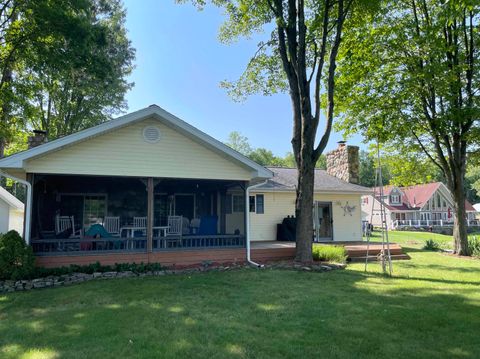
column 384, row 256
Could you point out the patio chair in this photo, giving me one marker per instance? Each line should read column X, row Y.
column 65, row 223
column 112, row 225
column 174, row 231
column 141, row 224
column 195, row 225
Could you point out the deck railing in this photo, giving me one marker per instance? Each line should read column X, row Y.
column 125, row 245
column 427, row 223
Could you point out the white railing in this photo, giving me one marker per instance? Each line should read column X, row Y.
column 430, row 222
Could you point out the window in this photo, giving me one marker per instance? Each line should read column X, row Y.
column 237, row 203
column 439, row 203
column 257, row 204
column 260, row 204
column 365, row 200
column 394, row 198
column 433, row 203
column 251, row 204
column 444, row 204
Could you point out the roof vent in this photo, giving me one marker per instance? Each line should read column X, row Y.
column 151, row 134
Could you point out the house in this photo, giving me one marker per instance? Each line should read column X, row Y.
column 149, row 187
column 422, row 205
column 477, row 208
column 11, row 212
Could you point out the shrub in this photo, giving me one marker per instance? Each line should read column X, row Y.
column 431, row 245
column 474, row 246
column 327, row 253
column 16, row 257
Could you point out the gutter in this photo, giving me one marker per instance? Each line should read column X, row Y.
column 28, row 207
column 247, row 229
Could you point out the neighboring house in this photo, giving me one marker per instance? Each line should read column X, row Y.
column 415, row 206
column 477, row 208
column 149, row 187
column 11, row 212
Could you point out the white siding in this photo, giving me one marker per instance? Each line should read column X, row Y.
column 279, row 205
column 124, row 152
column 16, row 221
column 4, row 216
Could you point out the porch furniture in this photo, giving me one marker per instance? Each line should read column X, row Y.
column 112, row 225
column 66, row 223
column 174, row 231
column 195, row 225
column 185, row 225
column 208, row 225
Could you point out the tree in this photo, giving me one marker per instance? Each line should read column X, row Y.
column 299, row 57
column 239, row 143
column 66, row 64
column 410, row 78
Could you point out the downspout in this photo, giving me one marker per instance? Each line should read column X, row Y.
column 247, row 230
column 28, row 205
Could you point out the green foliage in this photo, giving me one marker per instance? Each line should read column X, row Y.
column 16, row 258
column 65, row 66
column 328, row 253
column 431, row 245
column 263, row 156
column 474, row 246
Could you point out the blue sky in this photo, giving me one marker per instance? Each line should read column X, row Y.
column 180, row 63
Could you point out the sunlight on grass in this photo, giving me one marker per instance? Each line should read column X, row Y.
column 40, row 354
column 79, row 315
column 175, row 309
column 36, row 325
column 16, row 351
column 269, row 307
column 189, row 321
column 3, row 299
column 182, row 344
column 235, row 349
column 113, row 306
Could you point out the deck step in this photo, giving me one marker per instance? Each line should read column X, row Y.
column 374, row 258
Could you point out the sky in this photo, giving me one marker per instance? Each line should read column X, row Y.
column 179, row 66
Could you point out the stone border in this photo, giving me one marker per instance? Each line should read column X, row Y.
column 9, row 286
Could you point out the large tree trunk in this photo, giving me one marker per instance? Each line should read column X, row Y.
column 460, row 236
column 304, row 212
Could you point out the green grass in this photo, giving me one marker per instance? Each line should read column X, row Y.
column 429, row 309
column 417, row 239
column 328, row 253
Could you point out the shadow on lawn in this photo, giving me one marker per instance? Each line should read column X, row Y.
column 248, row 313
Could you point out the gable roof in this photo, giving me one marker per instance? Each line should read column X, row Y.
column 11, row 200
column 415, row 197
column 17, row 160
column 285, row 179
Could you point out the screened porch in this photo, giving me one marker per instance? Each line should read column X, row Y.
column 100, row 214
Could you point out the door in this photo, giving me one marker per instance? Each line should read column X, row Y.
column 323, row 221
column 185, row 205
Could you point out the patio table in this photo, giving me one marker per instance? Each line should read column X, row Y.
column 131, row 232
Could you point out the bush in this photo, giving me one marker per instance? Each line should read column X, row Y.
column 16, row 257
column 328, row 253
column 431, row 245
column 474, row 246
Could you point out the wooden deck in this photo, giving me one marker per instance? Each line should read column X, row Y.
column 356, row 251
column 261, row 252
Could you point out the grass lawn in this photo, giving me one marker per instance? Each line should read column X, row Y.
column 417, row 239
column 430, row 309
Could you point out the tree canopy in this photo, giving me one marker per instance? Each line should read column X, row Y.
column 409, row 77
column 64, row 63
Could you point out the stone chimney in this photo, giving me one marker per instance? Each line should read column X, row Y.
column 39, row 138
column 344, row 163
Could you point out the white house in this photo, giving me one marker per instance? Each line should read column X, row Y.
column 149, row 187
column 422, row 205
column 11, row 212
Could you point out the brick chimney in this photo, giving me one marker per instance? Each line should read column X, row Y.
column 344, row 163
column 39, row 138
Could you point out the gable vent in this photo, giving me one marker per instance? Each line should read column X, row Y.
column 151, row 134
